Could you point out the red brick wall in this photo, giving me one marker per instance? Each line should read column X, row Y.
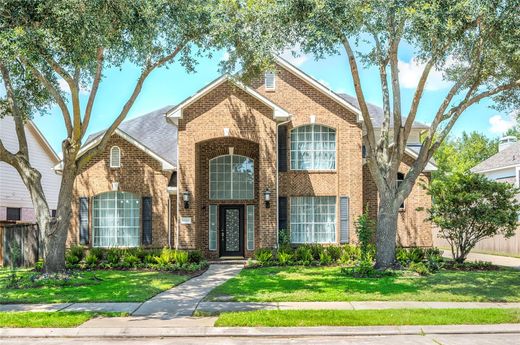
column 139, row 174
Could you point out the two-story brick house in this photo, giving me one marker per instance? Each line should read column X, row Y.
column 227, row 168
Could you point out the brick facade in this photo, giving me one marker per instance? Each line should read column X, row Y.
column 139, row 174
column 229, row 117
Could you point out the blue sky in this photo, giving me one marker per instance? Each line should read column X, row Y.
column 171, row 85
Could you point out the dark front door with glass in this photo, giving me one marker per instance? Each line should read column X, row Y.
column 232, row 230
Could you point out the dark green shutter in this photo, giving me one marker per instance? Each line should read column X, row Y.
column 282, row 213
column 83, row 220
column 147, row 220
column 282, row 148
column 343, row 219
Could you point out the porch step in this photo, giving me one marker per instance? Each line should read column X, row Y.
column 228, row 261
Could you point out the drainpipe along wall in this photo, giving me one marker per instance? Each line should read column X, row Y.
column 277, row 179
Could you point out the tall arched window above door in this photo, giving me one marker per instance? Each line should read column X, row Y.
column 116, row 219
column 115, row 157
column 313, row 147
column 231, row 177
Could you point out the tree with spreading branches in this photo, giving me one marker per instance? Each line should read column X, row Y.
column 73, row 42
column 474, row 43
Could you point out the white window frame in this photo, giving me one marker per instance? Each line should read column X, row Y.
column 112, row 162
column 101, row 215
column 270, row 74
column 250, row 227
column 311, row 225
column 231, row 177
column 293, row 158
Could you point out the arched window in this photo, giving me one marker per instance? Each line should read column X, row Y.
column 313, row 147
column 116, row 220
column 231, row 177
column 115, row 157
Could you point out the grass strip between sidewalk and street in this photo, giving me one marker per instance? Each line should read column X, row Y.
column 57, row 319
column 386, row 317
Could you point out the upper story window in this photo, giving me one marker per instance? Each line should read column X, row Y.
column 231, row 177
column 270, row 81
column 313, row 147
column 115, row 157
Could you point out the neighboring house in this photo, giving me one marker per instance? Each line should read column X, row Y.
column 15, row 200
column 227, row 168
column 504, row 166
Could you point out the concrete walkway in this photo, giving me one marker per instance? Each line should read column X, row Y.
column 182, row 300
column 505, row 261
column 135, row 332
column 219, row 307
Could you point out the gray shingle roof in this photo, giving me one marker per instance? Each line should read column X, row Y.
column 376, row 113
column 152, row 130
column 507, row 157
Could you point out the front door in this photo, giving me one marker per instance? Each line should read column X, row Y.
column 232, row 230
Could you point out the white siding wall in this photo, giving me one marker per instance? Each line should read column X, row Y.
column 13, row 192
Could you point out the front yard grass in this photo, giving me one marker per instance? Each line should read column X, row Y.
column 88, row 286
column 298, row 284
column 389, row 317
column 49, row 319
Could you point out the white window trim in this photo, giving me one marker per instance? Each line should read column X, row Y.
column 250, row 227
column 335, row 148
column 272, row 88
column 335, row 222
column 209, row 176
column 112, row 163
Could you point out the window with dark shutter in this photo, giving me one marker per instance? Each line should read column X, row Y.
column 343, row 219
column 282, row 213
column 147, row 220
column 282, row 148
column 83, row 220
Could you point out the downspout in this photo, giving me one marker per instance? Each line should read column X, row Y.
column 169, row 221
column 277, row 179
column 177, row 226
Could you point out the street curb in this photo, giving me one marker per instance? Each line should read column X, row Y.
column 255, row 331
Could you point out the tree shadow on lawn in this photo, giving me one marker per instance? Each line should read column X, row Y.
column 330, row 284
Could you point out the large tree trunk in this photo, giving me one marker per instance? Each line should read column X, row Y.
column 55, row 237
column 386, row 231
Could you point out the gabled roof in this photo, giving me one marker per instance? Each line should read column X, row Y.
column 507, row 158
column 278, row 112
column 46, row 144
column 151, row 132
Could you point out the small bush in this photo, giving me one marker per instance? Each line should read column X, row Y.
column 364, row 269
column 365, row 228
column 131, row 260
column 98, row 252
column 284, row 238
column 303, row 254
column 38, row 266
column 77, row 251
column 471, row 266
column 195, row 256
column 316, row 250
column 71, row 260
column 420, row 268
column 264, row 256
column 180, row 257
column 285, row 258
column 91, row 259
column 334, row 252
column 113, row 256
column 325, row 258
column 349, row 254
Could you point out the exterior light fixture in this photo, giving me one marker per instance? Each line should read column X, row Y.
column 186, row 199
column 267, row 198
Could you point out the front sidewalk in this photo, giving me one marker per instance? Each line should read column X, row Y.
column 505, row 261
column 135, row 332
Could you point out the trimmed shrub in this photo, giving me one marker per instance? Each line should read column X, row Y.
column 285, row 258
column 325, row 258
column 91, row 259
column 334, row 252
column 303, row 254
column 195, row 256
column 349, row 254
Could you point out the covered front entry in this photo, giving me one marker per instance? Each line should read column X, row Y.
column 231, row 230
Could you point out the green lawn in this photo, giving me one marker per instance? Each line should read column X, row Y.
column 93, row 286
column 328, row 284
column 390, row 317
column 49, row 319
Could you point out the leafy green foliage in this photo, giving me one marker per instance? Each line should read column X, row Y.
column 91, row 259
column 468, row 208
column 365, row 229
column 285, row 258
column 304, row 254
column 264, row 256
column 419, row 268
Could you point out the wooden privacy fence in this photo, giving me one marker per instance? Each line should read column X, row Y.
column 21, row 238
column 497, row 244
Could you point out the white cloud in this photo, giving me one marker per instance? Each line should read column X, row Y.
column 295, row 56
column 501, row 123
column 410, row 73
